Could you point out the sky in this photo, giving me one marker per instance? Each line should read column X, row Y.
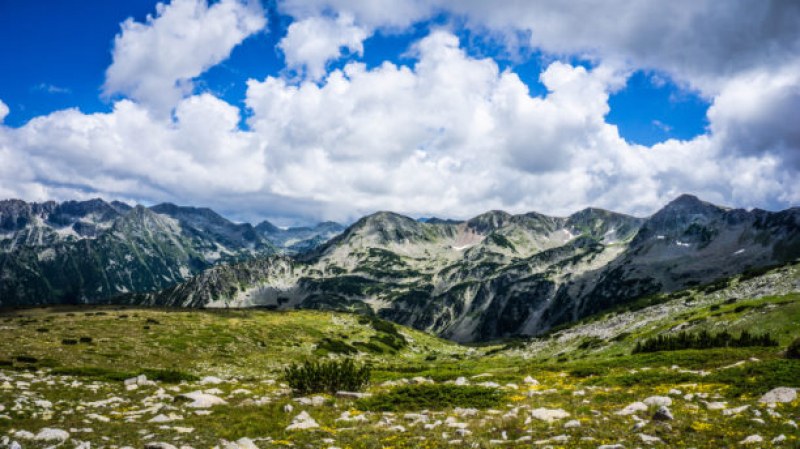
column 308, row 110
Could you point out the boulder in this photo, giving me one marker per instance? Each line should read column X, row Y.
column 780, row 394
column 549, row 414
column 200, row 399
column 663, row 414
column 52, row 435
column 303, row 421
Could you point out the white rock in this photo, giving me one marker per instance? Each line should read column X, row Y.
column 314, row 401
column 530, row 381
column 461, row 381
column 735, row 410
column 351, row 395
column 213, row 391
column 303, row 421
column 159, row 445
column 288, row 408
column 49, row 435
column 23, row 435
column 752, row 439
column 675, row 392
column 241, row 443
column 549, row 414
column 611, row 446
column 572, row 424
column 779, row 439
column 633, row 408
column 780, row 394
column 716, row 405
column 649, row 439
column 211, row 380
column 658, row 401
column 202, row 400
column 14, row 445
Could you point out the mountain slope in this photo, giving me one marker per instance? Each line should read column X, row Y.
column 299, row 239
column 78, row 252
column 500, row 275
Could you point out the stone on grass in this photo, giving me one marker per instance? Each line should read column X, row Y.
column 202, row 400
column 15, row 445
column 649, row 439
column 352, row 395
column 49, row 435
column 779, row 439
column 752, row 439
column 23, row 435
column 572, row 424
column 303, row 421
column 531, row 381
column 633, row 408
column 549, row 414
column 780, row 394
column 735, row 411
column 611, row 446
column 658, row 401
column 211, row 380
column 663, row 414
column 159, row 445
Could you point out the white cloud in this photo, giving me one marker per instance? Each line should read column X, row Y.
column 311, row 43
column 3, row 111
column 154, row 62
column 452, row 135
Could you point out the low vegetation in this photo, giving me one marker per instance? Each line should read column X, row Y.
column 433, row 397
column 703, row 340
column 327, row 376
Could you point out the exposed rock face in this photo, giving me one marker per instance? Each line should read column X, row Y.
column 496, row 275
column 82, row 252
column 500, row 275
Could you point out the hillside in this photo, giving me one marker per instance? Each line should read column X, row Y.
column 500, row 275
column 580, row 386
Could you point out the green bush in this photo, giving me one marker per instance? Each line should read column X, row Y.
column 793, row 351
column 433, row 397
column 703, row 340
column 327, row 376
column 69, row 341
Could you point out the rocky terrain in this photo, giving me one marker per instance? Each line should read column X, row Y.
column 88, row 251
column 500, row 275
column 114, row 377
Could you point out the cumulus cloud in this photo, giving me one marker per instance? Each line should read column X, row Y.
column 3, row 111
column 450, row 135
column 311, row 43
column 696, row 41
column 154, row 62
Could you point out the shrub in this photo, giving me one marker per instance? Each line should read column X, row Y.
column 85, row 339
column 433, row 397
column 26, row 359
column 329, row 345
column 327, row 376
column 793, row 351
column 69, row 341
column 703, row 340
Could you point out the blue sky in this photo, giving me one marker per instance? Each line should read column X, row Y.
column 60, row 59
column 304, row 110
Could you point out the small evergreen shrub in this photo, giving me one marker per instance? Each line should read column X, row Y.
column 327, row 376
column 703, row 340
column 26, row 359
column 85, row 339
column 793, row 351
column 69, row 341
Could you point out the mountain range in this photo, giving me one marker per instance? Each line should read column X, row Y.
column 496, row 275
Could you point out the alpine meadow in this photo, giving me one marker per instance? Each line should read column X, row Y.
column 256, row 224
